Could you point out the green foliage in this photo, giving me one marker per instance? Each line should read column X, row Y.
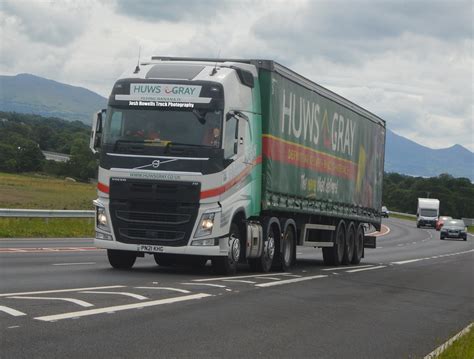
column 463, row 347
column 456, row 195
column 23, row 137
column 46, row 228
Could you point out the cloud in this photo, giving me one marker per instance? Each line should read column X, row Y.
column 171, row 11
column 49, row 22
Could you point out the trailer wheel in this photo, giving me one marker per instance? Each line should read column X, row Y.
column 349, row 246
column 227, row 265
column 358, row 245
column 334, row 255
column 286, row 255
column 121, row 259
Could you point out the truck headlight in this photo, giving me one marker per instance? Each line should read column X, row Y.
column 205, row 225
column 101, row 219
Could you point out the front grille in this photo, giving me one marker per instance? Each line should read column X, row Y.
column 153, row 212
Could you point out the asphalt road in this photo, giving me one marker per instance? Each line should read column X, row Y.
column 60, row 298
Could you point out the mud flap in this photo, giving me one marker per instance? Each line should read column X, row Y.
column 370, row 242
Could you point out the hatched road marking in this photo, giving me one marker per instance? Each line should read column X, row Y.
column 288, row 281
column 11, row 311
column 117, row 308
column 136, row 296
column 71, row 300
column 364, row 269
column 167, row 288
column 61, row 290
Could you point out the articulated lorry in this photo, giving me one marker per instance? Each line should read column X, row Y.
column 234, row 161
column 427, row 212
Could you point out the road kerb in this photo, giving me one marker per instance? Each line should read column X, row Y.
column 435, row 353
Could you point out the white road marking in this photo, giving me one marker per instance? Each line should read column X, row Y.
column 11, row 311
column 71, row 300
column 73, row 264
column 400, row 245
column 340, row 268
column 291, row 275
column 409, row 261
column 117, row 308
column 289, row 281
column 236, row 277
column 433, row 257
column 61, row 290
column 271, row 278
column 207, row 284
column 413, row 242
column 239, row 281
column 127, row 294
column 13, row 327
column 167, row 288
column 364, row 269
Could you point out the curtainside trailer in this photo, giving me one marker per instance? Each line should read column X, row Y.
column 234, row 161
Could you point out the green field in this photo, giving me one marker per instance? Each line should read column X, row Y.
column 35, row 191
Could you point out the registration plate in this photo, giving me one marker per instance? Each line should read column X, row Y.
column 150, row 248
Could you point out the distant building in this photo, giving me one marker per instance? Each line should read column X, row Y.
column 55, row 156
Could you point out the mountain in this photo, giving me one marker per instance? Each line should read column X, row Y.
column 25, row 93
column 408, row 157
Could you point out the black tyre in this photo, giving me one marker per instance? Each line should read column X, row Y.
column 286, row 255
column 271, row 238
column 349, row 246
column 165, row 260
column 358, row 245
column 417, row 225
column 334, row 255
column 197, row 261
column 121, row 259
column 227, row 265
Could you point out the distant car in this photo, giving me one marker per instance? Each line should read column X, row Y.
column 454, row 228
column 384, row 211
column 440, row 222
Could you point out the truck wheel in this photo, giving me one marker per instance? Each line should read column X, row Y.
column 164, row 260
column 287, row 248
column 227, row 265
column 121, row 259
column 417, row 225
column 349, row 244
column 334, row 255
column 264, row 263
column 358, row 245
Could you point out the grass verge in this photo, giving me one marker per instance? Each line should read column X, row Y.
column 35, row 191
column 46, row 228
column 463, row 347
column 470, row 229
column 401, row 216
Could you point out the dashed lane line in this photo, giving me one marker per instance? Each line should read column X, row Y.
column 364, row 269
column 126, row 294
column 433, row 257
column 70, row 300
column 167, row 288
column 61, row 290
column 342, row 268
column 117, row 308
column 11, row 311
column 289, row 281
column 73, row 264
column 239, row 281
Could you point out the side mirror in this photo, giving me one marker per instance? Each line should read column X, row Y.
column 96, row 133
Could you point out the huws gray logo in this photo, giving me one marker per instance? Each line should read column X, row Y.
column 155, row 164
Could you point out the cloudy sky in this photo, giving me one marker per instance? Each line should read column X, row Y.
column 408, row 61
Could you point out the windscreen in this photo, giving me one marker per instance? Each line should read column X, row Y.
column 196, row 127
column 426, row 212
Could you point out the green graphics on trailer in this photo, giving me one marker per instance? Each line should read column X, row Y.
column 317, row 152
